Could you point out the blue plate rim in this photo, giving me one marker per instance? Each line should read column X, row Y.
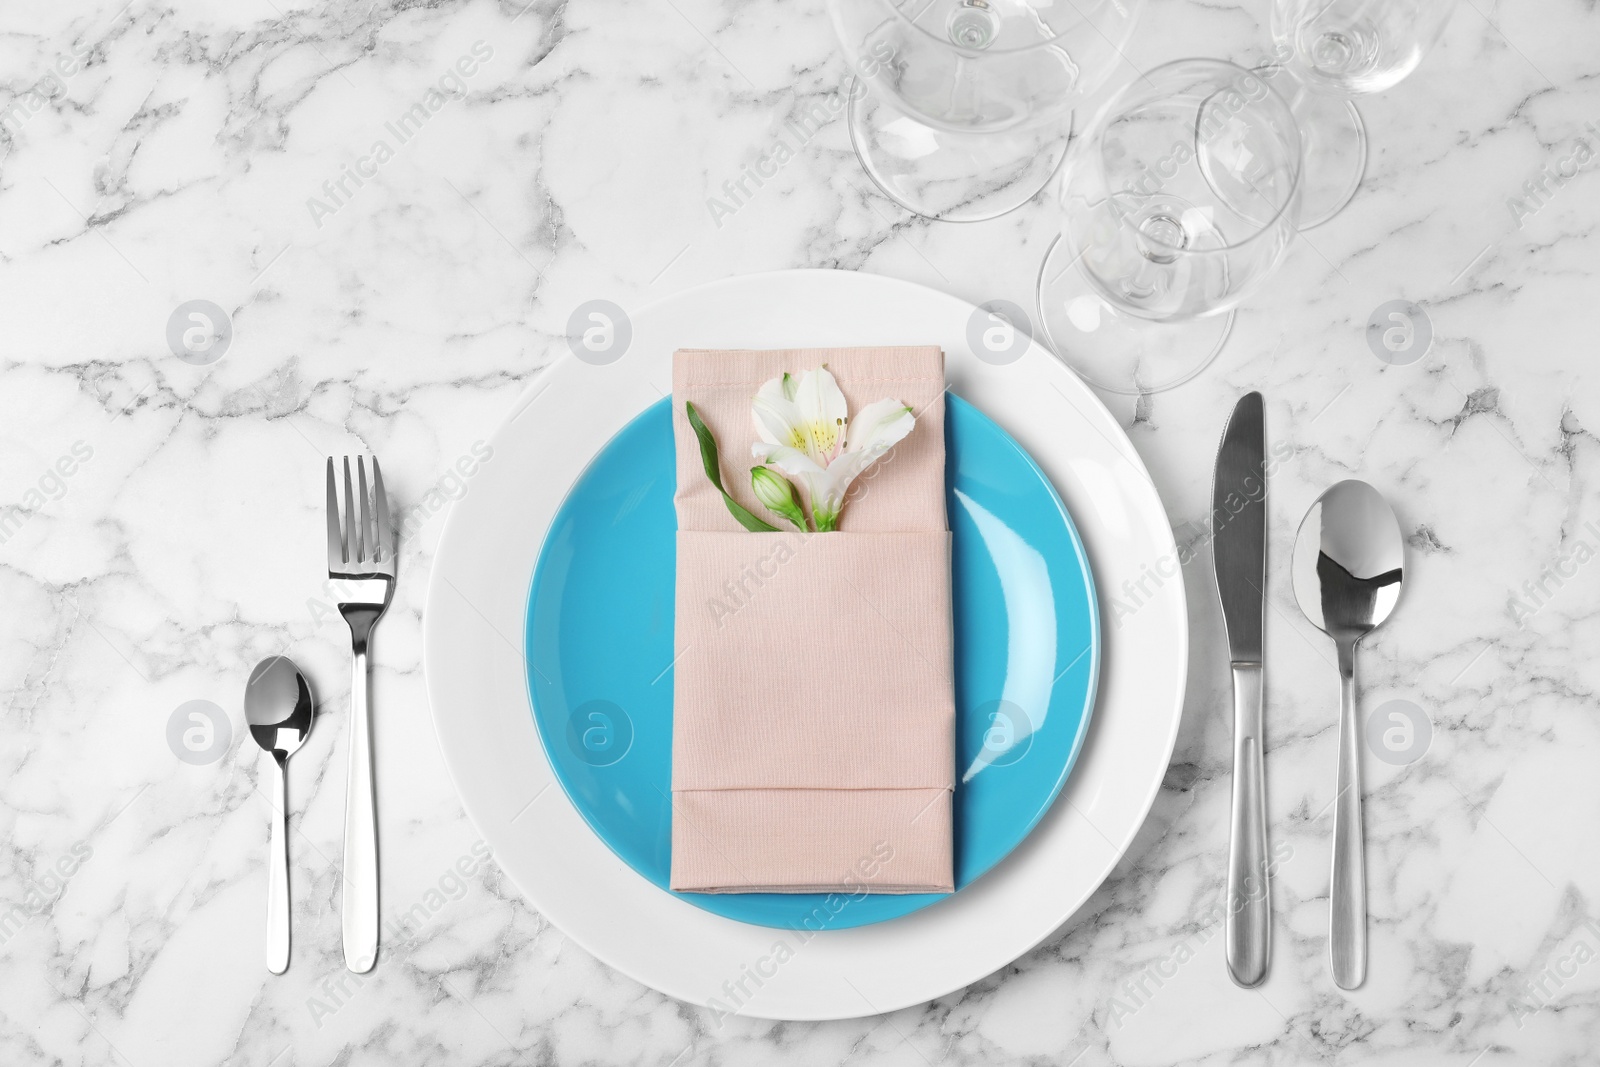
column 1091, row 696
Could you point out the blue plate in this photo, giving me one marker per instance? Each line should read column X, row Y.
column 599, row 649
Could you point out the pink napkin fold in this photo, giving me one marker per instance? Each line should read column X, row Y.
column 813, row 701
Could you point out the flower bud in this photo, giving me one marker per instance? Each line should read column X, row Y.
column 777, row 495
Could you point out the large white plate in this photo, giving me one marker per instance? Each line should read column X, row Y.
column 473, row 636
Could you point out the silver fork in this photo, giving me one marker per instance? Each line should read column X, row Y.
column 361, row 569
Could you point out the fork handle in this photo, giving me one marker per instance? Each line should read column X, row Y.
column 360, row 892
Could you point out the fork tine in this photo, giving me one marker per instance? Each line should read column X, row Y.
column 352, row 533
column 335, row 539
column 385, row 531
column 369, row 543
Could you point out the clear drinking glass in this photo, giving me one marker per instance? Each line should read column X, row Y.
column 1337, row 49
column 1178, row 200
column 961, row 110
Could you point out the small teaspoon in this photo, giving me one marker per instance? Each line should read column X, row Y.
column 1349, row 560
column 279, row 708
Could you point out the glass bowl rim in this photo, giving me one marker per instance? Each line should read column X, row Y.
column 1090, row 132
column 894, row 11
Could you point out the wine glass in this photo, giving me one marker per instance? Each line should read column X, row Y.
column 1179, row 199
column 1336, row 49
column 961, row 110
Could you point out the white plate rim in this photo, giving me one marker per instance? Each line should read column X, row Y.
column 474, row 623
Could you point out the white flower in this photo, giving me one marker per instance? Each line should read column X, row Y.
column 806, row 432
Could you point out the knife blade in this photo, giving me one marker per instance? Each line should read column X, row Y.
column 1239, row 528
column 1239, row 555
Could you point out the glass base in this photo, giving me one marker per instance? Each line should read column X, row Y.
column 1111, row 349
column 951, row 177
column 1334, row 141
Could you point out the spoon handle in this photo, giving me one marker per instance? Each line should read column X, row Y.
column 1347, row 934
column 1249, row 922
column 278, row 875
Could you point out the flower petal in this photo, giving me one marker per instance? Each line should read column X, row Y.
column 879, row 426
column 828, row 489
column 822, row 414
column 776, row 416
column 841, row 474
column 873, row 432
column 791, row 461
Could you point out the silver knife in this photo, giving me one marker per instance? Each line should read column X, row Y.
column 1239, row 551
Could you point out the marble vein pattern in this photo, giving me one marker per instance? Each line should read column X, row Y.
column 396, row 205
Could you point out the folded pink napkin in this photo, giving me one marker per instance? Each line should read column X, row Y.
column 813, row 702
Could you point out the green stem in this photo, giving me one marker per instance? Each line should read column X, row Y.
column 713, row 466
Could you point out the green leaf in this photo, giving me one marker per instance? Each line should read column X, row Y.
column 713, row 466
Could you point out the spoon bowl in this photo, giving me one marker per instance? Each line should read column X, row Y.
column 279, row 708
column 1349, row 560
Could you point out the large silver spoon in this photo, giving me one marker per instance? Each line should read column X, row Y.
column 279, row 709
column 1348, row 562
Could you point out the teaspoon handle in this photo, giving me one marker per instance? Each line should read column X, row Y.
column 278, row 875
column 1249, row 917
column 1347, row 934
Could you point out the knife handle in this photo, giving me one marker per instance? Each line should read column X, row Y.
column 1249, row 921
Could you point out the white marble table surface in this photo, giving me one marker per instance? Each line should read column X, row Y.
column 162, row 528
